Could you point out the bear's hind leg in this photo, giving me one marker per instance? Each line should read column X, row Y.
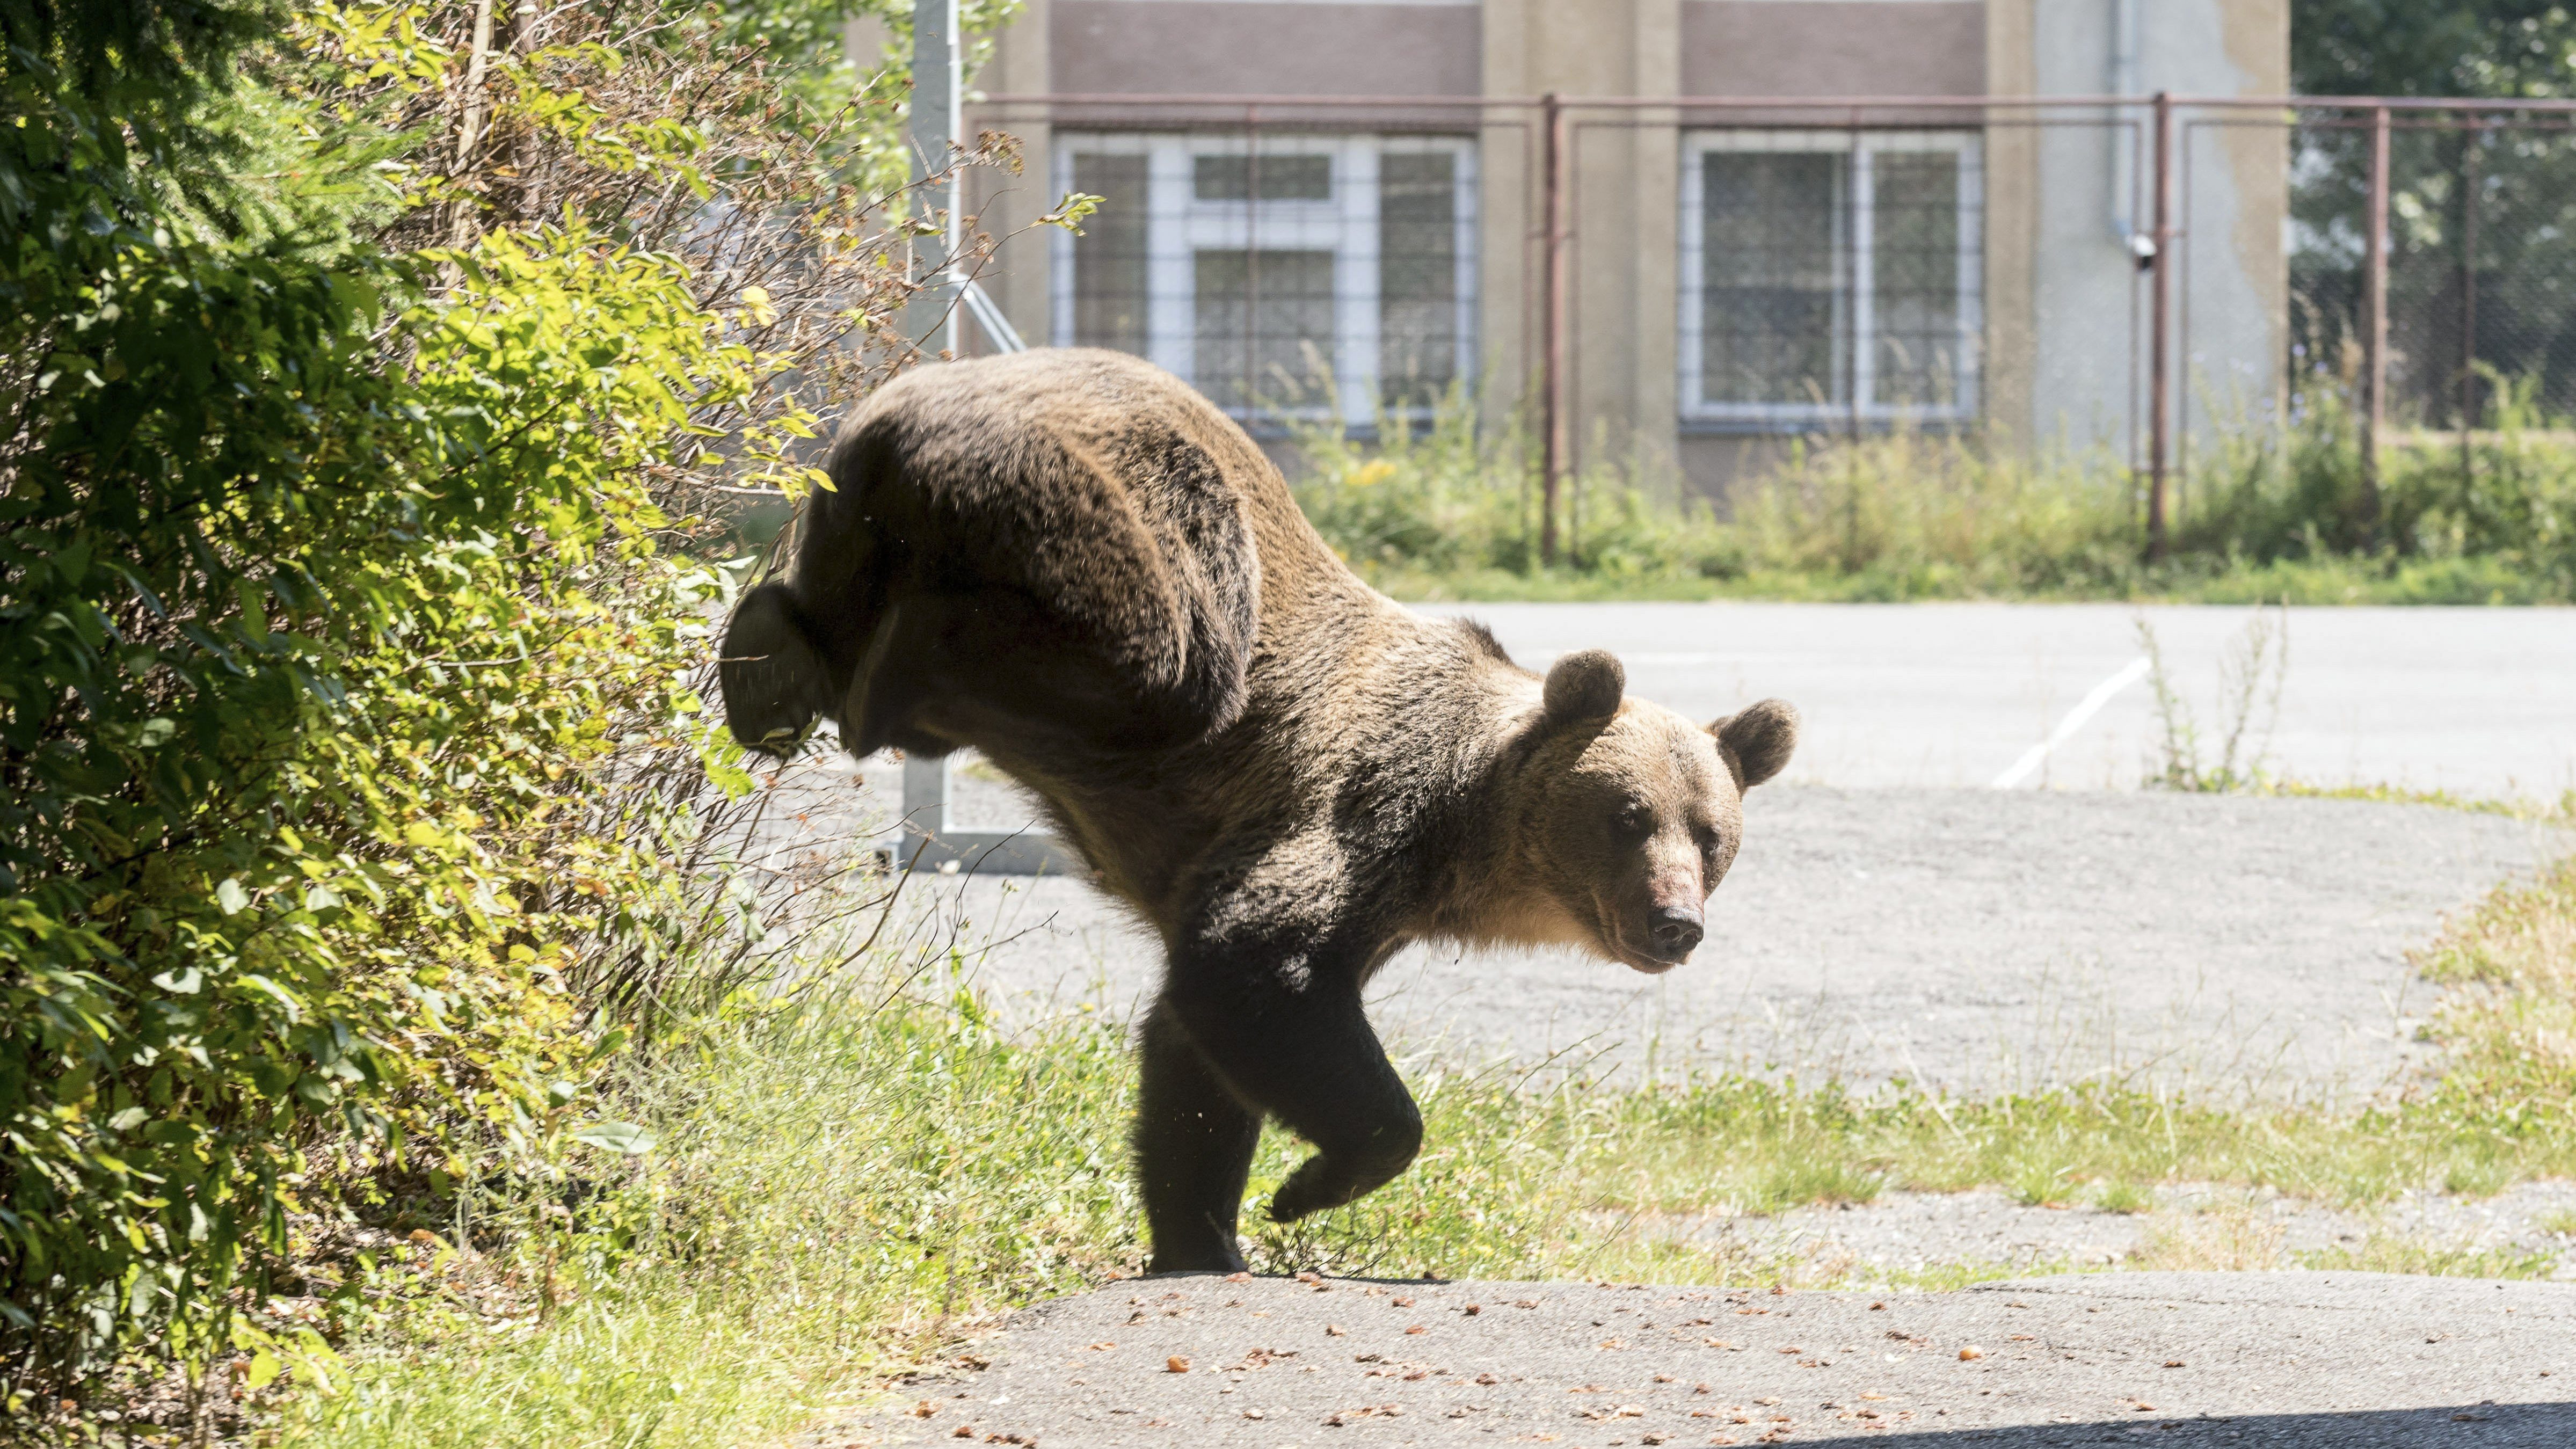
column 1305, row 1054
column 1194, row 1145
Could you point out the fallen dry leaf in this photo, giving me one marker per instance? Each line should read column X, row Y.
column 1972, row 1351
column 1103, row 1345
column 1332, row 1330
column 1176, row 1365
column 2173, row 1363
column 1417, row 1328
column 1474, row 1308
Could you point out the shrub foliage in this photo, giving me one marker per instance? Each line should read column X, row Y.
column 365, row 397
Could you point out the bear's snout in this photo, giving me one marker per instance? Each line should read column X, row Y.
column 1675, row 931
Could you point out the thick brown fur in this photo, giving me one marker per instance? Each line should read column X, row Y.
column 1072, row 562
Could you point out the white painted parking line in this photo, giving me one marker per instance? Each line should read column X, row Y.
column 2090, row 706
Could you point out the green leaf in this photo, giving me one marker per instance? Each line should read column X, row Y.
column 623, row 1137
column 232, row 897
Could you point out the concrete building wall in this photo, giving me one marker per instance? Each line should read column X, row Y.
column 2064, row 341
column 1262, row 47
column 1621, row 361
column 2088, row 301
column 1833, row 47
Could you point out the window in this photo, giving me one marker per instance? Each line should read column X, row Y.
column 1830, row 276
column 1278, row 274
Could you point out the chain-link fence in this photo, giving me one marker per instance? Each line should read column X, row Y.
column 2478, row 245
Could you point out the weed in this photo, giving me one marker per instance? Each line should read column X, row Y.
column 2251, row 673
column 2387, row 1253
column 2233, row 1238
column 2125, row 1198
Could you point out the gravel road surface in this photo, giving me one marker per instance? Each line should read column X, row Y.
column 1970, row 938
column 2204, row 1359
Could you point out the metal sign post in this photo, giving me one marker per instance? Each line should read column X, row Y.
column 938, row 182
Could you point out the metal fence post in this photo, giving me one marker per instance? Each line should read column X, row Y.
column 2374, row 335
column 2469, row 305
column 2160, row 333
column 938, row 182
column 1552, row 419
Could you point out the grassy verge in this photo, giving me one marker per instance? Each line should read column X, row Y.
column 1450, row 510
column 2305, row 582
column 842, row 1189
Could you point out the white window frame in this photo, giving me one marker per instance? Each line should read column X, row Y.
column 1178, row 225
column 1859, row 304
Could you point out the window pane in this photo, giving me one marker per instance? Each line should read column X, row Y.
column 1914, row 277
column 1417, row 249
column 1264, row 329
column 1284, row 176
column 1109, row 256
column 1773, row 260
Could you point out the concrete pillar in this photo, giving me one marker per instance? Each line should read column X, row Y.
column 1006, row 206
column 1620, row 352
column 2012, row 213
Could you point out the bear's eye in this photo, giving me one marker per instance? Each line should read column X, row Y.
column 1634, row 819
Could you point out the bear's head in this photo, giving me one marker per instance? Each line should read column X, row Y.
column 1633, row 813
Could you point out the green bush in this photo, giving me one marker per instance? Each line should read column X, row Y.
column 338, row 629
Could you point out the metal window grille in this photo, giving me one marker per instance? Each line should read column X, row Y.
column 1284, row 275
column 1830, row 276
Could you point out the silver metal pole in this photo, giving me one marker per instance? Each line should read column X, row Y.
column 938, row 182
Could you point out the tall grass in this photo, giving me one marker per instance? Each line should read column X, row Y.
column 1447, row 506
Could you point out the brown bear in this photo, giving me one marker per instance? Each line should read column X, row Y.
column 1071, row 561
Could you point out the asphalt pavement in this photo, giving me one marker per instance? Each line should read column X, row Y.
column 2350, row 1360
column 2477, row 701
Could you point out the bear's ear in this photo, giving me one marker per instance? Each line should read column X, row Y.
column 1585, row 685
column 1757, row 739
